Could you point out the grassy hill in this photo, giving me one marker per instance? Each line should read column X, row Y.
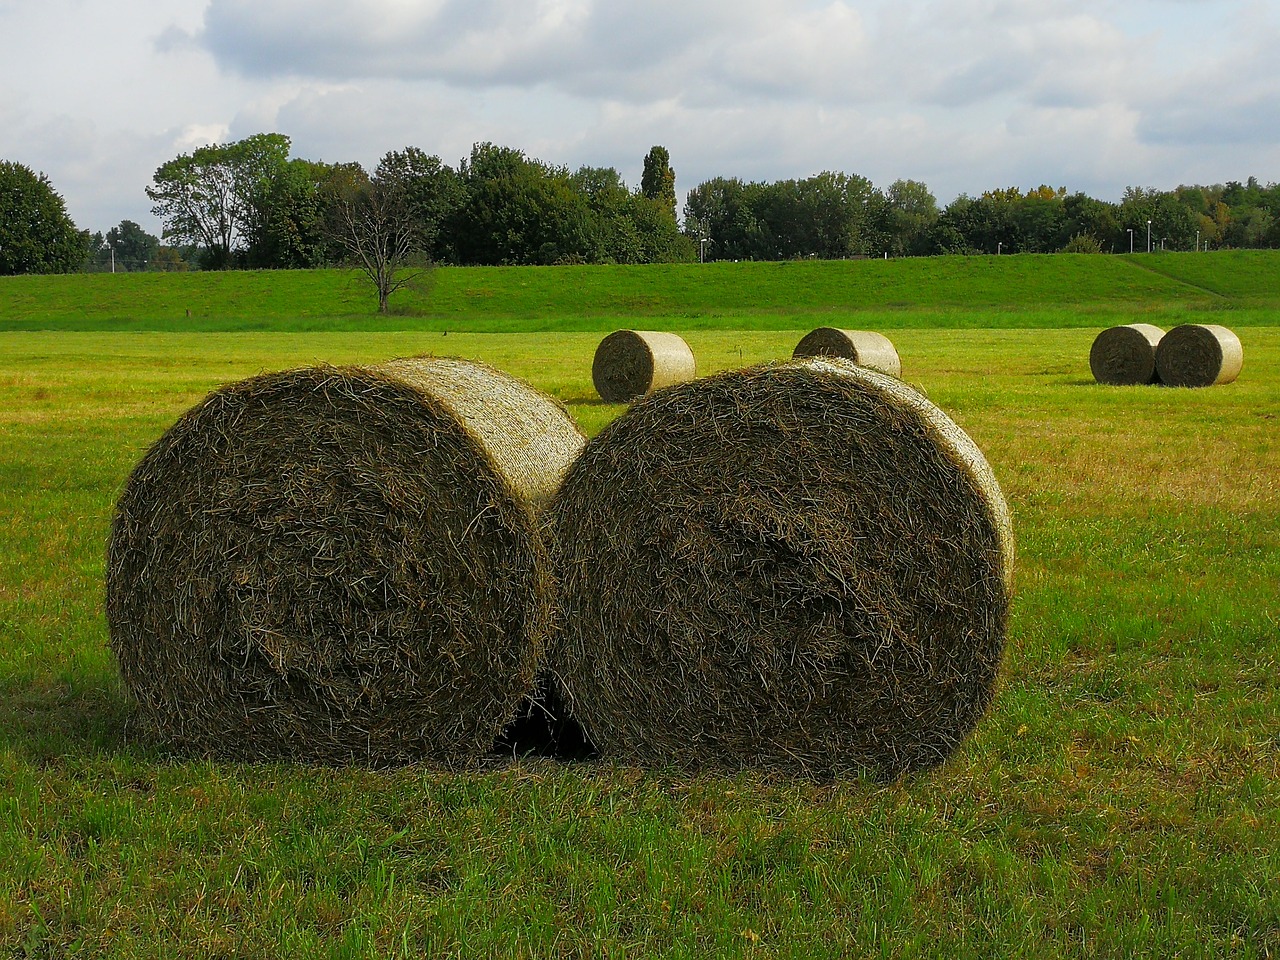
column 1059, row 291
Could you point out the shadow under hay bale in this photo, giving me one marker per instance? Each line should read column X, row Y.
column 1199, row 355
column 544, row 728
column 1125, row 355
column 803, row 566
column 864, row 347
column 631, row 363
column 340, row 564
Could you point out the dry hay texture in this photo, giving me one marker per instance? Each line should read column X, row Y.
column 864, row 347
column 632, row 363
column 340, row 564
column 1125, row 355
column 802, row 566
column 1199, row 355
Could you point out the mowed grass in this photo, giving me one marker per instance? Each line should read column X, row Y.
column 1121, row 799
column 946, row 292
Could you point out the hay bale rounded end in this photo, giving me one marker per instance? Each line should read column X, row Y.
column 629, row 364
column 1125, row 355
column 864, row 347
column 1199, row 355
column 339, row 564
column 801, row 566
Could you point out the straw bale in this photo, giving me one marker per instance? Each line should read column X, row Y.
column 1125, row 355
column 1199, row 355
column 631, row 363
column 864, row 347
column 803, row 566
column 340, row 564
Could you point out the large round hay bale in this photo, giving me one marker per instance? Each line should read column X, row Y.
column 1199, row 355
column 1125, row 355
column 804, row 566
column 631, row 363
column 340, row 564
column 864, row 347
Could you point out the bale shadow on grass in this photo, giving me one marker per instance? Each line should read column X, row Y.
column 52, row 718
column 593, row 400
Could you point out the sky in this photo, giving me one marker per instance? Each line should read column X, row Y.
column 963, row 95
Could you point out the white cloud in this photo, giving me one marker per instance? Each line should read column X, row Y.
column 962, row 94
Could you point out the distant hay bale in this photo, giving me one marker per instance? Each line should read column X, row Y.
column 340, row 564
column 631, row 363
column 864, row 347
column 1199, row 355
column 1125, row 355
column 802, row 565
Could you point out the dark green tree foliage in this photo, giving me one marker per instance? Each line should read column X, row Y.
column 434, row 191
column 295, row 232
column 658, row 179
column 36, row 235
column 1004, row 221
column 829, row 215
column 912, row 214
column 219, row 198
column 247, row 203
column 1255, row 214
column 719, row 212
column 127, row 246
column 627, row 227
column 518, row 211
column 1083, row 216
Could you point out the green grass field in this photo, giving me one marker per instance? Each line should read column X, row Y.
column 1121, row 799
column 973, row 292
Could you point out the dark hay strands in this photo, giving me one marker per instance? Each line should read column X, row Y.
column 340, row 564
column 803, row 566
column 631, row 363
column 864, row 347
column 1199, row 355
column 1125, row 355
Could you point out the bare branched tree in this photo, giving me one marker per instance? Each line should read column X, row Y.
column 372, row 220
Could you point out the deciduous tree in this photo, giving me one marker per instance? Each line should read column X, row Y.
column 219, row 197
column 36, row 234
column 372, row 220
column 433, row 191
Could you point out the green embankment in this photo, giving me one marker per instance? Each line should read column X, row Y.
column 972, row 292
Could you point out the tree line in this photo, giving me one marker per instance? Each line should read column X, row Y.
column 250, row 204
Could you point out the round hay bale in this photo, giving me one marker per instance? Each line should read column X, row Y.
column 804, row 565
column 1125, row 355
column 864, row 347
column 1199, row 355
column 631, row 363
column 340, row 564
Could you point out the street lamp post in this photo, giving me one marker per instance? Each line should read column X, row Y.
column 999, row 244
column 1131, row 239
column 1148, row 236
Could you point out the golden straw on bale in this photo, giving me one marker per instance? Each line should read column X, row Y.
column 631, row 363
column 803, row 566
column 340, row 563
column 1199, row 355
column 864, row 347
column 1125, row 355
